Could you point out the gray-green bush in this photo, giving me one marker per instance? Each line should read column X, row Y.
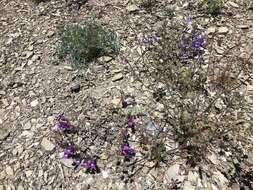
column 83, row 44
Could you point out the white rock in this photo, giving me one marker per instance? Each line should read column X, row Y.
column 211, row 30
column 27, row 125
column 105, row 174
column 27, row 134
column 132, row 8
column 222, row 30
column 34, row 103
column 50, row 33
column 47, row 145
column 220, row 179
column 67, row 162
column 20, row 187
column 3, row 133
column 233, row 4
column 213, row 158
column 117, row 77
column 116, row 101
column 250, row 35
column 188, row 186
column 192, row 177
column 105, row 59
column 30, row 48
column 172, row 173
column 214, row 187
column 9, row 171
column 28, row 54
column 243, row 26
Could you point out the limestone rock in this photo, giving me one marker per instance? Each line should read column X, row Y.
column 47, row 145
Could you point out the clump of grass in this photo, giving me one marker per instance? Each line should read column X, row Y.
column 212, row 7
column 148, row 4
column 158, row 152
column 83, row 44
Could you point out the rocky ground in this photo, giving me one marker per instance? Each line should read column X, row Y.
column 34, row 87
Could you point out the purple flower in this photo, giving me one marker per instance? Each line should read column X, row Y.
column 90, row 165
column 151, row 40
column 77, row 161
column 191, row 44
column 60, row 117
column 197, row 40
column 68, row 152
column 130, row 122
column 62, row 123
column 126, row 150
column 187, row 20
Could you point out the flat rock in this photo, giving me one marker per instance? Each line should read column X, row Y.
column 67, row 162
column 28, row 125
column 50, row 33
column 193, row 177
column 34, row 103
column 28, row 54
column 188, row 186
column 213, row 158
column 250, row 35
column 105, row 59
column 47, row 144
column 132, row 8
column 233, row 4
column 222, row 30
column 9, row 171
column 219, row 178
column 75, row 88
column 2, row 92
column 172, row 173
column 4, row 133
column 117, row 77
column 211, row 30
column 20, row 187
column 243, row 26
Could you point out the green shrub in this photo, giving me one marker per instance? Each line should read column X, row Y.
column 148, row 4
column 212, row 7
column 83, row 44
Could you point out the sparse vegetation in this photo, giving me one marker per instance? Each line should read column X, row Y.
column 200, row 98
column 212, row 7
column 83, row 44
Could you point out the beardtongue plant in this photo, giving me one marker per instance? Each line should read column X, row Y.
column 130, row 122
column 89, row 165
column 68, row 152
column 62, row 124
column 127, row 151
column 192, row 42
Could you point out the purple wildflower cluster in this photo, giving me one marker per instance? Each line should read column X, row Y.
column 126, row 150
column 89, row 165
column 62, row 123
column 191, row 43
column 127, row 101
column 68, row 152
column 130, row 122
column 151, row 40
